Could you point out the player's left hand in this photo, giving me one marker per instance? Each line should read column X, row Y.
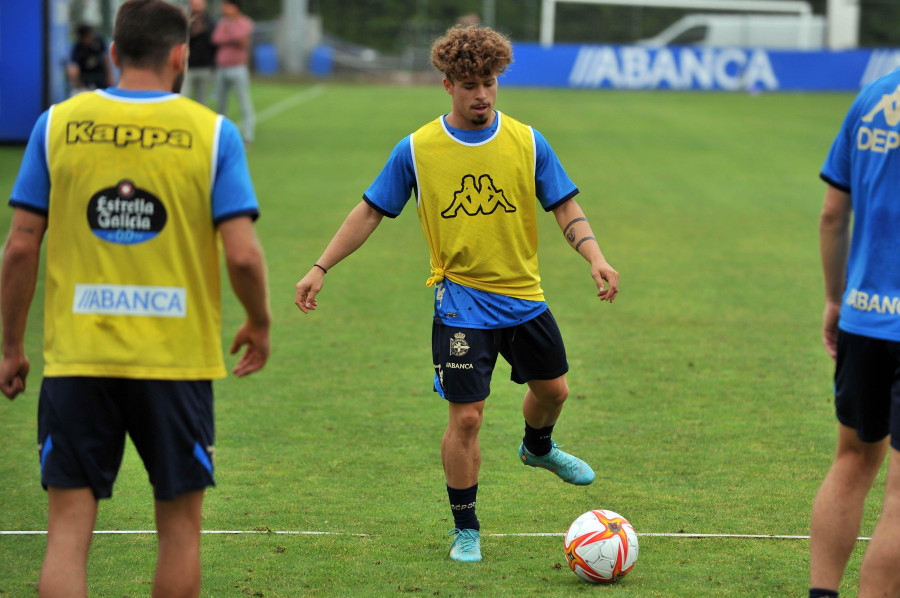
column 604, row 273
column 258, row 348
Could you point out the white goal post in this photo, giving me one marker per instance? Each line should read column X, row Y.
column 798, row 7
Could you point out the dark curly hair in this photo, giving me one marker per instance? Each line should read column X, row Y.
column 471, row 51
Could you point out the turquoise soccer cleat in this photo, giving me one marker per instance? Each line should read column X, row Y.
column 466, row 546
column 568, row 467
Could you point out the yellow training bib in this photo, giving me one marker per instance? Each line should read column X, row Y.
column 132, row 281
column 478, row 209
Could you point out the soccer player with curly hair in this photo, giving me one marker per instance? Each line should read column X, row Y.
column 478, row 176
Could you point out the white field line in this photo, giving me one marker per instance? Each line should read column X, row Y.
column 680, row 535
column 206, row 531
column 518, row 535
column 288, row 103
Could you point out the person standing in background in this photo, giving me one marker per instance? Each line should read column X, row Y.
column 232, row 36
column 202, row 58
column 89, row 66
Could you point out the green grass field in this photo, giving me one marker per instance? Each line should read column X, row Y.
column 701, row 396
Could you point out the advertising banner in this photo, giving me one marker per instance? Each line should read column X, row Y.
column 34, row 49
column 696, row 68
column 21, row 68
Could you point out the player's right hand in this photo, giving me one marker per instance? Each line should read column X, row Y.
column 13, row 373
column 830, row 327
column 307, row 289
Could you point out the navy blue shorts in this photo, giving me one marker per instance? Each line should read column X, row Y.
column 464, row 358
column 82, row 423
column 867, row 387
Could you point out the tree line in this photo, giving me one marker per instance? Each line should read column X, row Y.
column 392, row 26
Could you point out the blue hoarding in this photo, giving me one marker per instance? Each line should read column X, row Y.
column 21, row 67
column 33, row 53
column 696, row 68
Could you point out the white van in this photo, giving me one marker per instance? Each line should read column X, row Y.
column 763, row 31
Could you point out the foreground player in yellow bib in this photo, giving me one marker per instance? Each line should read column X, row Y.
column 476, row 174
column 135, row 188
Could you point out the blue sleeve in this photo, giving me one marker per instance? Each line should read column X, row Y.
column 836, row 170
column 392, row 187
column 32, row 188
column 232, row 191
column 553, row 185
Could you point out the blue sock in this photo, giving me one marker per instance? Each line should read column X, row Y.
column 820, row 593
column 537, row 440
column 462, row 503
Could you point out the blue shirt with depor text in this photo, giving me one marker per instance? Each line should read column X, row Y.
column 865, row 162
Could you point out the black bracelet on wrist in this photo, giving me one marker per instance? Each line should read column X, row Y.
column 321, row 268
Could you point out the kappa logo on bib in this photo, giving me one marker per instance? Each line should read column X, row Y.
column 478, row 197
column 126, row 214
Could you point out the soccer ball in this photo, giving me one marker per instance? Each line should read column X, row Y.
column 601, row 546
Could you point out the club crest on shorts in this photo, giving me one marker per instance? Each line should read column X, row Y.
column 458, row 345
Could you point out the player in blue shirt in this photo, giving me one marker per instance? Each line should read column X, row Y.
column 861, row 331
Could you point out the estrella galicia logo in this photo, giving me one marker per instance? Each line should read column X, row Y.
column 478, row 197
column 126, row 214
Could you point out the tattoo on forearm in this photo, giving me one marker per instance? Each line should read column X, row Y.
column 24, row 229
column 581, row 242
column 569, row 231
